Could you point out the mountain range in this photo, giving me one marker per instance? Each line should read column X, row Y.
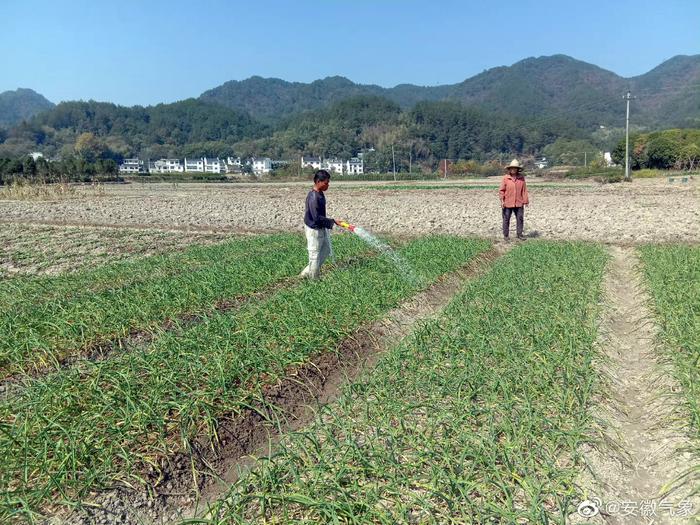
column 521, row 108
column 543, row 87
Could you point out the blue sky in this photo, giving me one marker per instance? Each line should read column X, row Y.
column 146, row 52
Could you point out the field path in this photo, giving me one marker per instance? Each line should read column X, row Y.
column 634, row 472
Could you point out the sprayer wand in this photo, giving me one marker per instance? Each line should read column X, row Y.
column 347, row 226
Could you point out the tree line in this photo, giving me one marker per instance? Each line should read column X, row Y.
column 93, row 137
column 671, row 148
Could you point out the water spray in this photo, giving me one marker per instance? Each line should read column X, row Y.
column 384, row 249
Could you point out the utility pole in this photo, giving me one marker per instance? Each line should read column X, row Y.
column 585, row 159
column 445, row 168
column 410, row 158
column 627, row 97
column 393, row 160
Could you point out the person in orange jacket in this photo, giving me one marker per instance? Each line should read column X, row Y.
column 514, row 198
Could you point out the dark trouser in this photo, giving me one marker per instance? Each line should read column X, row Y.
column 519, row 220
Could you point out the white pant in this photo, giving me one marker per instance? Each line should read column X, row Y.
column 318, row 242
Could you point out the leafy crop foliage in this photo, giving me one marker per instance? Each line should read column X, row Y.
column 44, row 320
column 81, row 428
column 475, row 418
column 673, row 274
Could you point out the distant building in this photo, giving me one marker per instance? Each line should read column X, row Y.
column 608, row 159
column 194, row 165
column 214, row 165
column 333, row 165
column 261, row 166
column 542, row 163
column 233, row 165
column 36, row 155
column 311, row 162
column 166, row 166
column 132, row 166
column 355, row 166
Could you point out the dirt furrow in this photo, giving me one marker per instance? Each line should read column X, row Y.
column 634, row 472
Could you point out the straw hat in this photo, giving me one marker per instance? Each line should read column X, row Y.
column 515, row 164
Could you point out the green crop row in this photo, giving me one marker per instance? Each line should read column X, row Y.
column 673, row 274
column 58, row 317
column 27, row 291
column 79, row 429
column 475, row 418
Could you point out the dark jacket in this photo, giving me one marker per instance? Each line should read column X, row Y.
column 315, row 214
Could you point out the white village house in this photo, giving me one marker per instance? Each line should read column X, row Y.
column 132, row 166
column 261, row 166
column 354, row 166
column 194, row 165
column 311, row 162
column 333, row 165
column 166, row 166
column 214, row 165
column 234, row 165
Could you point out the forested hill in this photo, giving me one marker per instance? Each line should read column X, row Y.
column 521, row 109
column 21, row 104
column 186, row 127
column 544, row 87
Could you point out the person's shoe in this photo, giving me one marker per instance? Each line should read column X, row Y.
column 522, row 238
column 506, row 239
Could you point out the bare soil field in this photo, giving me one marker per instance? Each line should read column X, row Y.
column 37, row 249
column 646, row 210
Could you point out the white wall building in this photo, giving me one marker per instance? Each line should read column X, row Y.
column 311, row 162
column 261, row 166
column 214, row 165
column 355, row 166
column 233, row 165
column 333, row 165
column 194, row 165
column 132, row 166
column 167, row 166
column 608, row 159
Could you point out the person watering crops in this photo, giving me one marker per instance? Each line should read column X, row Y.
column 317, row 226
column 514, row 198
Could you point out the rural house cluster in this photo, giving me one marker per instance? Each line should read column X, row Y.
column 259, row 166
column 354, row 166
column 231, row 165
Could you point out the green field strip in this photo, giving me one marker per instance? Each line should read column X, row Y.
column 475, row 418
column 673, row 277
column 74, row 312
column 76, row 430
column 27, row 291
